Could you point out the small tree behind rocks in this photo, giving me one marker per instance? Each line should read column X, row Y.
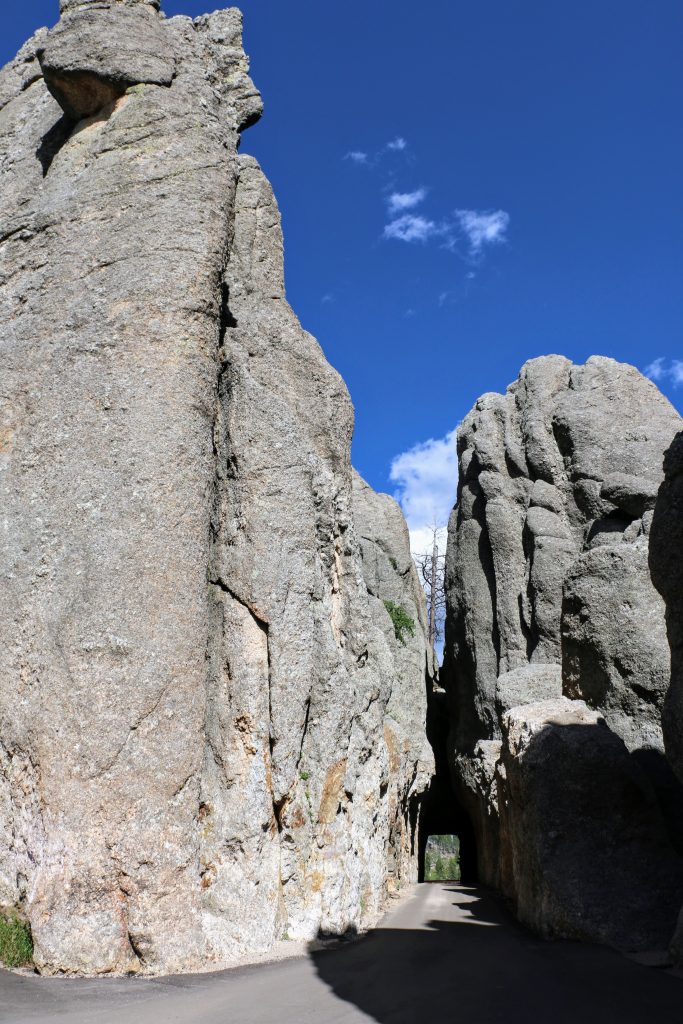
column 431, row 565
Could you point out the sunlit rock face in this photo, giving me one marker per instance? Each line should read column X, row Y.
column 550, row 600
column 391, row 577
column 202, row 739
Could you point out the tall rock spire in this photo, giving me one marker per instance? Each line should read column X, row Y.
column 210, row 733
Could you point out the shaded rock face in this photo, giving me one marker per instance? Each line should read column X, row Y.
column 666, row 563
column 203, row 742
column 584, row 850
column 550, row 599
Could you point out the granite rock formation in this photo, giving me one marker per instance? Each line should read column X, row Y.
column 556, row 654
column 204, row 741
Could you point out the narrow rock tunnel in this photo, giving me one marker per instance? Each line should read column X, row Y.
column 440, row 812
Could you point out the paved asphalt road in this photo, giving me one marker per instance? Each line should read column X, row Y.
column 449, row 953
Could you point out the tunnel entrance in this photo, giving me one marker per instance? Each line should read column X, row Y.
column 446, row 831
column 441, row 814
column 442, row 859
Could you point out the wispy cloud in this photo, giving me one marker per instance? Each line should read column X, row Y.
column 361, row 157
column 357, row 156
column 411, row 228
column 659, row 371
column 400, row 201
column 465, row 232
column 327, row 297
column 426, row 478
column 467, row 235
column 655, row 371
column 482, row 227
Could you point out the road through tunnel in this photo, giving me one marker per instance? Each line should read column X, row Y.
column 441, row 813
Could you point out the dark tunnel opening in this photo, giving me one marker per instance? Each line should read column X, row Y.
column 441, row 813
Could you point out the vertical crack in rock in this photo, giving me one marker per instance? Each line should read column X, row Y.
column 304, row 731
column 556, row 659
column 285, row 541
column 136, row 950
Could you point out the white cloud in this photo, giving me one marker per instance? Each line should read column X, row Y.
column 479, row 228
column 466, row 233
column 361, row 157
column 483, row 228
column 659, row 371
column 327, row 297
column 400, row 201
column 411, row 228
column 655, row 371
column 426, row 478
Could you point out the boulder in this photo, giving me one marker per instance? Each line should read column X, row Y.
column 583, row 831
column 94, row 54
column 614, row 650
column 526, row 685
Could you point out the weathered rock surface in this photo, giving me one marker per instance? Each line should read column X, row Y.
column 203, row 745
column 390, row 575
column 549, row 594
column 615, row 654
column 92, row 56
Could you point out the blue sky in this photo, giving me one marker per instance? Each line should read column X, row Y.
column 515, row 190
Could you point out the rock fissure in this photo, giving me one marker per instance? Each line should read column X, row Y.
column 257, row 616
column 132, row 729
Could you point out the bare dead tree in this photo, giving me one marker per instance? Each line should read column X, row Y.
column 431, row 566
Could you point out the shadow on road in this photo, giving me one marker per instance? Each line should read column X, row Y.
column 483, row 968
